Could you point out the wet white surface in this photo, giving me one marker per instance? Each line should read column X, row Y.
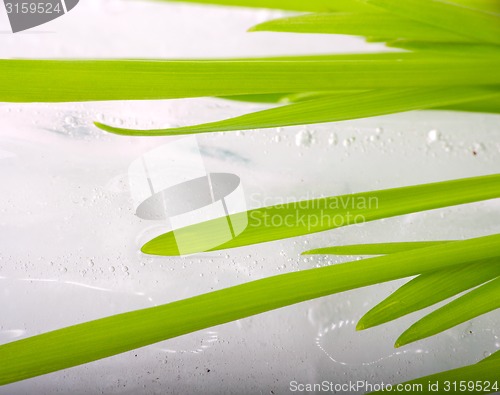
column 69, row 240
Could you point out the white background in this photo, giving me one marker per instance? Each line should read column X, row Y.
column 69, row 240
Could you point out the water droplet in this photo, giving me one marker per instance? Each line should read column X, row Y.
column 304, row 138
column 71, row 121
column 347, row 142
column 433, row 136
column 332, row 139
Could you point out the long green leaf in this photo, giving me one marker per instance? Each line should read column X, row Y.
column 428, row 289
column 489, row 105
column 483, row 5
column 301, row 218
column 465, row 50
column 373, row 249
column 467, row 22
column 494, row 356
column 102, row 338
column 359, row 24
column 56, row 81
column 327, row 109
column 474, row 303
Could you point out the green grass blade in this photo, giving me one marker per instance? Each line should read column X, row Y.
column 68, row 80
column 428, row 289
column 474, row 378
column 374, row 249
column 483, row 5
column 465, row 50
column 467, row 22
column 306, row 217
column 327, row 109
column 358, row 24
column 476, row 302
column 102, row 338
column 494, row 356
column 491, row 105
column 291, row 5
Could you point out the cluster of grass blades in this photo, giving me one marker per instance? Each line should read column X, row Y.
column 447, row 267
column 450, row 61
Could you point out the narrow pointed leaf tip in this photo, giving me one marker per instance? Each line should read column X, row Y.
column 359, row 24
column 429, row 289
column 328, row 109
column 473, row 304
column 317, row 215
column 456, row 18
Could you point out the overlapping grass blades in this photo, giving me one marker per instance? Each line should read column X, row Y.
column 428, row 289
column 294, row 219
column 474, row 303
column 75, row 345
column 472, row 23
column 442, row 73
column 360, row 24
column 326, row 109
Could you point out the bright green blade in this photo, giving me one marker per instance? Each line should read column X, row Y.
column 483, row 5
column 481, row 378
column 102, row 338
column 428, row 289
column 374, row 249
column 306, row 217
column 494, row 356
column 467, row 22
column 359, row 24
column 291, row 5
column 286, row 98
column 490, row 105
column 68, row 80
column 272, row 98
column 474, row 303
column 327, row 109
column 465, row 50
